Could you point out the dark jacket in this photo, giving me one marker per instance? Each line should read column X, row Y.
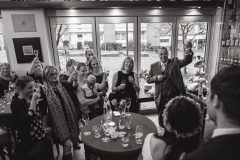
column 225, row 147
column 172, row 85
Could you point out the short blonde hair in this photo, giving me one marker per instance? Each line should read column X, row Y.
column 123, row 63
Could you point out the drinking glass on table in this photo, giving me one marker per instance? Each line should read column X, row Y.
column 105, row 128
column 128, row 103
column 85, row 118
column 128, row 120
column 125, row 140
column 139, row 134
column 96, row 131
column 122, row 107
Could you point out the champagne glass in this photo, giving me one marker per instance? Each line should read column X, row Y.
column 85, row 118
column 139, row 134
column 125, row 140
column 128, row 103
column 105, row 128
column 7, row 97
column 2, row 107
column 36, row 53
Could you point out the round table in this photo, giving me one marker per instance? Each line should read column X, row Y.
column 113, row 149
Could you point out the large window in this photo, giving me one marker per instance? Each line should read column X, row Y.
column 3, row 54
column 72, row 36
column 118, row 42
column 114, row 38
column 195, row 32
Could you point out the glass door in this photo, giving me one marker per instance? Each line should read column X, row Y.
column 116, row 39
column 3, row 54
column 195, row 30
column 71, row 37
column 154, row 32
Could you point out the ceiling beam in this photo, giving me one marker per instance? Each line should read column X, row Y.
column 107, row 4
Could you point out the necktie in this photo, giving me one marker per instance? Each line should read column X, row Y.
column 163, row 67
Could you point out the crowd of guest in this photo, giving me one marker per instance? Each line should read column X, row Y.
column 48, row 105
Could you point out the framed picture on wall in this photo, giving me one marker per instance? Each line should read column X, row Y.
column 24, row 23
column 24, row 49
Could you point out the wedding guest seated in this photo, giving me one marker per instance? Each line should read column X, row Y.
column 62, row 111
column 32, row 142
column 125, row 84
column 35, row 70
column 182, row 122
column 224, row 109
column 7, row 78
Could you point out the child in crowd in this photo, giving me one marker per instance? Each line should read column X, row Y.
column 90, row 92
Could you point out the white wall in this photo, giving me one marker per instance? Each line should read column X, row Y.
column 42, row 32
column 215, row 40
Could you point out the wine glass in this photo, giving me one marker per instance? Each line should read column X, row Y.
column 106, row 70
column 36, row 53
column 128, row 103
column 125, row 140
column 85, row 118
column 139, row 134
column 2, row 108
column 7, row 98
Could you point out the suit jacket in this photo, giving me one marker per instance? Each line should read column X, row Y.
column 172, row 84
column 225, row 147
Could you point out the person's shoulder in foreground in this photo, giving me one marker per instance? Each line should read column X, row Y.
column 223, row 108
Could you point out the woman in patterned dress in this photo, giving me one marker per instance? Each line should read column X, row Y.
column 32, row 143
column 63, row 115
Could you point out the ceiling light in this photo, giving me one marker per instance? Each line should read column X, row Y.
column 199, row 7
column 159, row 7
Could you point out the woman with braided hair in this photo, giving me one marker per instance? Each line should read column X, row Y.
column 182, row 123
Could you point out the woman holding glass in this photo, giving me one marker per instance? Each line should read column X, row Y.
column 62, row 110
column 125, row 84
column 82, row 76
column 101, row 79
column 27, row 114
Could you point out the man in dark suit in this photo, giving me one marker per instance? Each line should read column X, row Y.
column 166, row 75
column 224, row 109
